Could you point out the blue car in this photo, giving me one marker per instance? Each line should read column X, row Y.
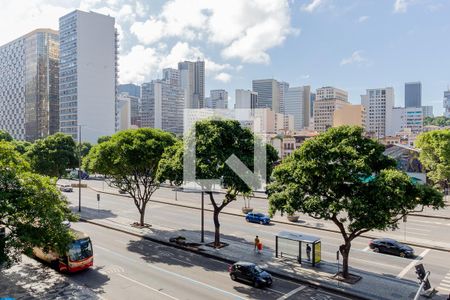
column 257, row 218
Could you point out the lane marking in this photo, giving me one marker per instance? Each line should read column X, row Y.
column 146, row 286
column 365, row 249
column 445, row 285
column 408, row 267
column 174, row 274
column 443, row 289
column 292, row 292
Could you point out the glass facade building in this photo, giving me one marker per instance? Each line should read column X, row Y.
column 29, row 91
column 413, row 94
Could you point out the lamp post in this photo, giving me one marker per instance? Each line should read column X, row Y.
column 79, row 168
column 203, row 217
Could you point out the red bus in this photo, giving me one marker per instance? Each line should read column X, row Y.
column 78, row 257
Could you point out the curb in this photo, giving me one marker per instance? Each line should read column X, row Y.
column 437, row 248
column 326, row 287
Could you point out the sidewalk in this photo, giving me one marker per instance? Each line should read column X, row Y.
column 372, row 286
column 303, row 222
column 29, row 280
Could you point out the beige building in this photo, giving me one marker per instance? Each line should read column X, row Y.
column 328, row 100
column 352, row 115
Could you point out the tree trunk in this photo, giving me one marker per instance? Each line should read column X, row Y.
column 345, row 251
column 216, row 228
column 142, row 212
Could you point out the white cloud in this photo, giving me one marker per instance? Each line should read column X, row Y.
column 139, row 65
column 400, row 6
column 355, row 58
column 224, row 77
column 311, row 7
column 363, row 19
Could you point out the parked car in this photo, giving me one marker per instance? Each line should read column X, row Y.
column 65, row 188
column 391, row 246
column 122, row 191
column 257, row 218
column 251, row 273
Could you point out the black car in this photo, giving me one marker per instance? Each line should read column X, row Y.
column 250, row 272
column 391, row 246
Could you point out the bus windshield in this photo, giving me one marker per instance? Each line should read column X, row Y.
column 80, row 249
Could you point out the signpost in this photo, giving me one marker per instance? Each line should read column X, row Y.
column 98, row 203
column 404, row 227
column 337, row 258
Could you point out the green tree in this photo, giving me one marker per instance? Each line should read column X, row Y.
column 216, row 141
column 5, row 136
column 440, row 121
column 344, row 177
column 22, row 146
column 103, row 138
column 53, row 155
column 130, row 161
column 31, row 208
column 435, row 155
column 85, row 148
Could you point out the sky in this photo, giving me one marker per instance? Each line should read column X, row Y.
column 349, row 44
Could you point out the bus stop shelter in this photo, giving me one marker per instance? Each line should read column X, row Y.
column 290, row 244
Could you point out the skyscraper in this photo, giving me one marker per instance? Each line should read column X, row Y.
column 413, row 94
column 192, row 80
column 296, row 103
column 268, row 93
column 283, row 88
column 427, row 111
column 217, row 99
column 246, row 99
column 29, row 65
column 88, row 75
column 172, row 76
column 162, row 106
column 447, row 104
column 328, row 99
column 378, row 104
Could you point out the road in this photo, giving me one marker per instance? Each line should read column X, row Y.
column 438, row 262
column 127, row 267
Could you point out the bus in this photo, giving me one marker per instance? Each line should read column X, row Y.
column 78, row 257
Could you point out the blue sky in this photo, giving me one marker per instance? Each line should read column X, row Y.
column 350, row 44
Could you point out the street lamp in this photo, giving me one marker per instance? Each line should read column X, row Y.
column 79, row 168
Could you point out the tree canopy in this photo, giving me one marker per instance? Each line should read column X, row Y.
column 5, row 136
column 216, row 142
column 53, row 155
column 129, row 160
column 440, row 121
column 31, row 208
column 344, row 177
column 435, row 155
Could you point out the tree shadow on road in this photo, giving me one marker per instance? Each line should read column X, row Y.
column 91, row 214
column 94, row 278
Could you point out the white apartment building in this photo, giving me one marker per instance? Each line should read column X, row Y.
column 29, row 99
column 283, row 88
column 378, row 104
column 406, row 118
column 218, row 99
column 296, row 103
column 427, row 111
column 328, row 99
column 246, row 99
column 88, row 75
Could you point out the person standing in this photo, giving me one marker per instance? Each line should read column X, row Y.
column 256, row 243
column 308, row 252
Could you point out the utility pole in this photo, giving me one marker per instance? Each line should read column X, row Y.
column 79, row 168
column 203, row 217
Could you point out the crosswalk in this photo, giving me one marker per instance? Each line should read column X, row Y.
column 444, row 286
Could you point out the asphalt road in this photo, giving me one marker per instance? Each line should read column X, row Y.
column 127, row 267
column 438, row 262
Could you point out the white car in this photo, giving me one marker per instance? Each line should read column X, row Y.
column 65, row 188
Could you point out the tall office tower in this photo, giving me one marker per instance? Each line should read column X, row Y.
column 88, row 75
column 447, row 104
column 296, row 103
column 29, row 107
column 328, row 99
column 351, row 115
column 283, row 88
column 413, row 94
column 311, row 105
column 217, row 99
column 378, row 104
column 132, row 107
column 131, row 89
column 192, row 80
column 427, row 111
column 162, row 106
column 246, row 99
column 268, row 93
column 171, row 76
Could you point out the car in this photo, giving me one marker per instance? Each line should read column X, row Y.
column 122, row 191
column 391, row 246
column 249, row 272
column 257, row 218
column 65, row 188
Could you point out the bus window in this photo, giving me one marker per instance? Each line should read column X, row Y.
column 80, row 249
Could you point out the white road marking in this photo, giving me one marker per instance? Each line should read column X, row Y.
column 292, row 292
column 173, row 274
column 446, row 280
column 146, row 286
column 445, row 285
column 408, row 267
column 443, row 289
column 365, row 249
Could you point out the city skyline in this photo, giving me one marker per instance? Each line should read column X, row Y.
column 285, row 40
